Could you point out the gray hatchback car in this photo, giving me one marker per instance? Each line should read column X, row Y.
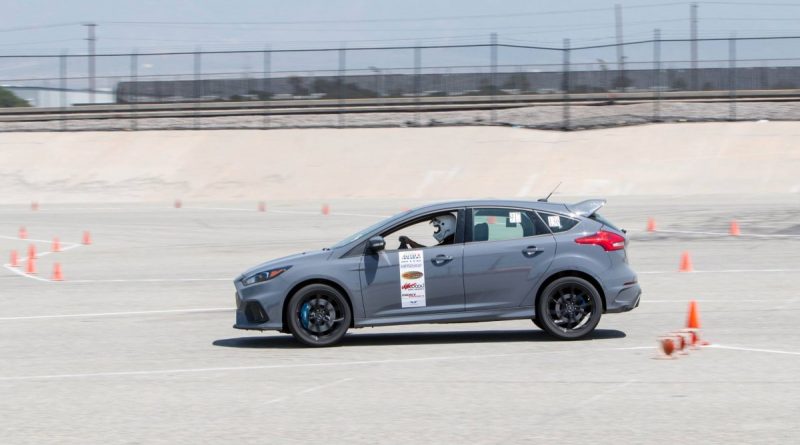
column 560, row 265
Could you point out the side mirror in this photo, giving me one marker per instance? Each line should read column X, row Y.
column 376, row 243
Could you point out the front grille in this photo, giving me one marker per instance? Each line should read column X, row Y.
column 255, row 313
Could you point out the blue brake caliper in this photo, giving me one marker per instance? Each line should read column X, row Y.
column 304, row 315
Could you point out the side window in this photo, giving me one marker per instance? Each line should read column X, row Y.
column 429, row 231
column 558, row 223
column 497, row 224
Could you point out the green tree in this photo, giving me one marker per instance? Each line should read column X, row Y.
column 8, row 99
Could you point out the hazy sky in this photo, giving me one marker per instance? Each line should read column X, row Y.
column 322, row 22
column 38, row 26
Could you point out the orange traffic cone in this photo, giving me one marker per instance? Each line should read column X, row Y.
column 326, row 209
column 87, row 238
column 734, row 230
column 30, row 266
column 56, row 245
column 14, row 259
column 23, row 233
column 686, row 262
column 178, row 203
column 31, row 251
column 34, row 206
column 57, row 275
column 651, row 225
column 693, row 320
column 693, row 324
column 262, row 206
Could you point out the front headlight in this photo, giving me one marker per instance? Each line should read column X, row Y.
column 264, row 276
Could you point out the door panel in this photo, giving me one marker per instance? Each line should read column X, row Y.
column 444, row 285
column 501, row 274
column 509, row 252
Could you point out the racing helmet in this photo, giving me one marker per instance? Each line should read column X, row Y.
column 445, row 225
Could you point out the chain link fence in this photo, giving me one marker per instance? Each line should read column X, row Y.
column 565, row 87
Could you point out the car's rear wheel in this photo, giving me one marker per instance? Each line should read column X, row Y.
column 569, row 308
column 318, row 315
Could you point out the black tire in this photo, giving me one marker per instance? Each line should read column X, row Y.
column 318, row 315
column 569, row 308
column 536, row 321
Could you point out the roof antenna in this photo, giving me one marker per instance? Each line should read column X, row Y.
column 551, row 193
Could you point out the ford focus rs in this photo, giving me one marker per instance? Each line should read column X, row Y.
column 560, row 265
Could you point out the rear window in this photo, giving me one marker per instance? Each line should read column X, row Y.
column 558, row 223
column 596, row 216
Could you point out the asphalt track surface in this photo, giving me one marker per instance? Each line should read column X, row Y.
column 136, row 346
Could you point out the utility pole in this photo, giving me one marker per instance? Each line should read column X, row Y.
column 91, row 40
column 620, row 49
column 493, row 75
column 693, row 31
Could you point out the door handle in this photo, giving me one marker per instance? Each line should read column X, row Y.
column 441, row 259
column 531, row 251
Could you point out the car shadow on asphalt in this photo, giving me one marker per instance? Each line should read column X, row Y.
column 415, row 338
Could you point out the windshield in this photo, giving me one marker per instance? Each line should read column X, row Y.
column 369, row 229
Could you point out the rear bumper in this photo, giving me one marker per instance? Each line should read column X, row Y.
column 626, row 299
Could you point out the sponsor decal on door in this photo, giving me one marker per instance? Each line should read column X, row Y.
column 412, row 278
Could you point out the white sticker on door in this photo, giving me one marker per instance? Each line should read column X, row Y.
column 412, row 278
column 554, row 221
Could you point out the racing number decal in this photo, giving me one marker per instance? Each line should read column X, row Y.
column 412, row 278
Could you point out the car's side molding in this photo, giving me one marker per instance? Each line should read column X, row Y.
column 517, row 313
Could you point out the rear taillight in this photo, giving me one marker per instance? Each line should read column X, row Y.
column 607, row 240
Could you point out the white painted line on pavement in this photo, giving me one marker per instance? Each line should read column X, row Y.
column 608, row 391
column 740, row 348
column 658, row 272
column 743, row 235
column 298, row 212
column 23, row 274
column 118, row 314
column 17, row 238
column 289, row 212
column 745, row 300
column 304, row 365
column 18, row 270
column 145, row 280
column 312, row 389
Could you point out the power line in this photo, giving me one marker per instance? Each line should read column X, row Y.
column 31, row 27
column 404, row 19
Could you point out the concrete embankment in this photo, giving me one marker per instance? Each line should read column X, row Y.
column 413, row 163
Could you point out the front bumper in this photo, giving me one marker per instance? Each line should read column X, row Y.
column 258, row 308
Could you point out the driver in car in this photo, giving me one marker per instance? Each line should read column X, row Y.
column 444, row 232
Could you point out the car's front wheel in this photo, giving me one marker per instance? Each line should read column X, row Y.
column 569, row 308
column 318, row 315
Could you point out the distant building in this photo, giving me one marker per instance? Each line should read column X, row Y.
column 51, row 97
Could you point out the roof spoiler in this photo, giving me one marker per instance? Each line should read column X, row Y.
column 586, row 208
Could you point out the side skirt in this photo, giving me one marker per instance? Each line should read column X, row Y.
column 517, row 313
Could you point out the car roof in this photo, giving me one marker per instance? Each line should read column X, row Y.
column 539, row 205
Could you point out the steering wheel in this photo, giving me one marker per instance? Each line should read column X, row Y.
column 403, row 242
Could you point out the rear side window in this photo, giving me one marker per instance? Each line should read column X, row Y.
column 558, row 223
column 497, row 224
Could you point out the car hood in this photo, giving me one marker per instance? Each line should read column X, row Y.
column 290, row 260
